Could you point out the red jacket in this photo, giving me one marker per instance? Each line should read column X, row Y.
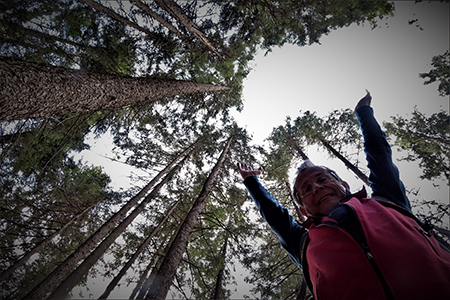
column 411, row 263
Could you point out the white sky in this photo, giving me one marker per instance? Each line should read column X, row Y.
column 334, row 75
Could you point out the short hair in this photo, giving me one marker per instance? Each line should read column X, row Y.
column 305, row 165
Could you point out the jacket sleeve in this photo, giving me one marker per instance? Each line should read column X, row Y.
column 384, row 176
column 280, row 221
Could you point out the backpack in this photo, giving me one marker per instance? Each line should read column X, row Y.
column 358, row 235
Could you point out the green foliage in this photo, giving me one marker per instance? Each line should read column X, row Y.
column 67, row 34
column 271, row 271
column 32, row 211
column 339, row 129
column 39, row 146
column 439, row 73
column 274, row 23
column 426, row 140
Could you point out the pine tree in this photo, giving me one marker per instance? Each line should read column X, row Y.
column 166, row 273
column 177, row 12
column 130, row 262
column 36, row 91
column 68, row 283
column 40, row 245
column 53, row 279
column 36, row 217
column 440, row 73
column 426, row 140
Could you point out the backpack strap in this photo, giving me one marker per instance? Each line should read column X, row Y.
column 306, row 279
column 302, row 294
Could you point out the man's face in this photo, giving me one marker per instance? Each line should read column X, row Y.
column 319, row 190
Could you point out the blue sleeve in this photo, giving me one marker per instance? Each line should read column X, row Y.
column 384, row 176
column 280, row 221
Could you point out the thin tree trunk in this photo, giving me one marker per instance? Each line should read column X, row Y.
column 145, row 8
column 29, row 90
column 346, row 162
column 71, row 281
column 300, row 216
column 300, row 151
column 25, row 32
column 167, row 271
column 133, row 258
column 218, row 289
column 54, row 278
column 39, row 246
column 293, row 144
column 150, row 265
column 117, row 17
column 177, row 12
column 147, row 282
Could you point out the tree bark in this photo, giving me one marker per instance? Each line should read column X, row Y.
column 54, row 278
column 39, row 246
column 218, row 289
column 167, row 271
column 151, row 265
column 346, row 162
column 141, row 248
column 29, row 90
column 177, row 12
column 147, row 281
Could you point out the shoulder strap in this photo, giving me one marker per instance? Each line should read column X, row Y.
column 306, row 279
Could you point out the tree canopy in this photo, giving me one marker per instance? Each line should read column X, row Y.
column 440, row 73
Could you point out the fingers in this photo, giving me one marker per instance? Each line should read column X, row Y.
column 246, row 171
column 245, row 167
column 364, row 101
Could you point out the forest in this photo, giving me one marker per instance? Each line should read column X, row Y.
column 161, row 78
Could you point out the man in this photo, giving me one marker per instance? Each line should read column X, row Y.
column 351, row 246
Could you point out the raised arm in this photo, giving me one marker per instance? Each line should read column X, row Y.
column 384, row 175
column 280, row 221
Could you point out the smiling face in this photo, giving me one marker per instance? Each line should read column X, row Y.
column 319, row 191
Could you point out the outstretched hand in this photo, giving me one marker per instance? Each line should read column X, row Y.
column 364, row 101
column 246, row 171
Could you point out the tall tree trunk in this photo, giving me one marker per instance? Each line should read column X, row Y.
column 24, row 32
column 68, row 284
column 147, row 282
column 300, row 216
column 145, row 8
column 177, row 12
column 300, row 152
column 151, row 265
column 294, row 144
column 218, row 289
column 117, row 17
column 167, row 271
column 346, row 162
column 29, row 90
column 54, row 278
column 141, row 248
column 39, row 246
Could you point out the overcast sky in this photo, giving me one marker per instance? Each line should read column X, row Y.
column 334, row 75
